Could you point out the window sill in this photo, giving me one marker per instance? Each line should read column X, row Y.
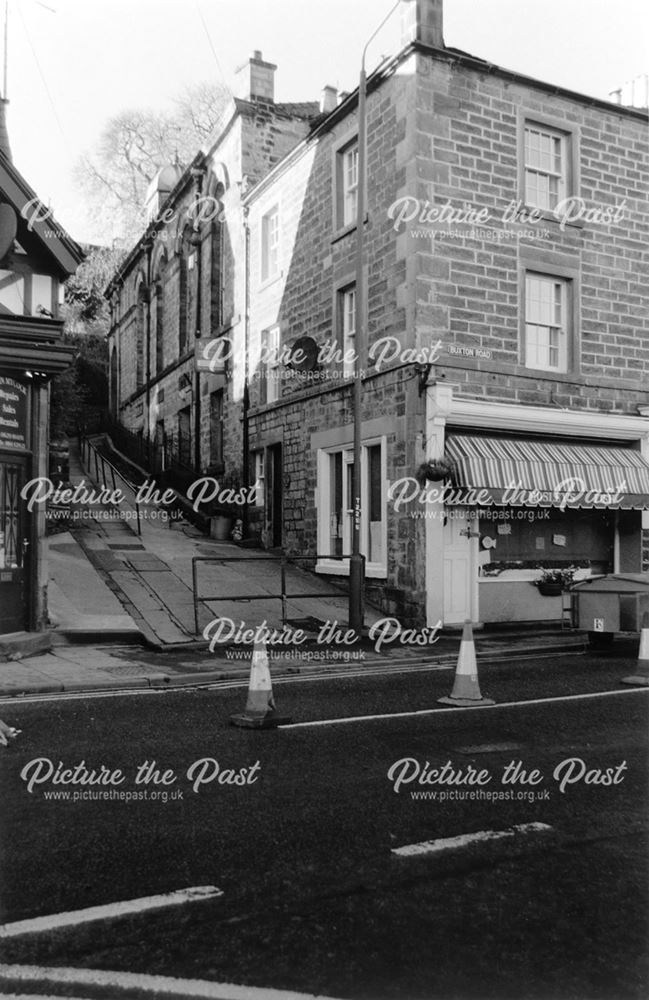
column 549, row 372
column 547, row 215
column 342, row 231
column 340, row 567
column 269, row 282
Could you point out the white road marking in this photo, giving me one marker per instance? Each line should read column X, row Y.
column 158, row 986
column 73, row 918
column 454, row 711
column 465, row 839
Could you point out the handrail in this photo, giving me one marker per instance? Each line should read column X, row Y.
column 282, row 596
column 84, row 443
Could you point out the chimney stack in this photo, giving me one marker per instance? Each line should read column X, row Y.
column 5, row 148
column 255, row 80
column 329, row 99
column 422, row 21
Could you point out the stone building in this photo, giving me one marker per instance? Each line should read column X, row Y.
column 505, row 335
column 36, row 257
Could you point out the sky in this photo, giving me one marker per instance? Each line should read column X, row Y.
column 75, row 63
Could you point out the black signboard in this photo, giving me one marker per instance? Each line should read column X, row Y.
column 14, row 399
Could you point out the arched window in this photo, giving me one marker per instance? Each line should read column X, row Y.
column 158, row 312
column 140, row 327
column 188, row 298
column 213, row 218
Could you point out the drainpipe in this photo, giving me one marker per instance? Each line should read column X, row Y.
column 148, row 246
column 197, row 240
column 246, row 395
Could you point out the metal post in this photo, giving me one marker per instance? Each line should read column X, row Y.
column 194, row 580
column 356, row 562
column 283, row 585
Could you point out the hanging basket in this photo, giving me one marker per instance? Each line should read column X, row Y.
column 435, row 470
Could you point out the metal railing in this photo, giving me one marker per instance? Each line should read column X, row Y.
column 282, row 596
column 91, row 456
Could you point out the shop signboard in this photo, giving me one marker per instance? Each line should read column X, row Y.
column 14, row 410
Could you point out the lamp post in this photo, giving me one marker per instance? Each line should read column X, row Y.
column 357, row 561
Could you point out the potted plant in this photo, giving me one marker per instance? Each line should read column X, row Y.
column 225, row 512
column 433, row 470
column 552, row 582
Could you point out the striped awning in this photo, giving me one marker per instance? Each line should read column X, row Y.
column 514, row 472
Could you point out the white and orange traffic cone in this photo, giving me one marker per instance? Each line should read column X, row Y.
column 466, row 690
column 7, row 733
column 641, row 676
column 260, row 711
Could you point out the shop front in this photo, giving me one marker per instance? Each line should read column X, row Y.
column 15, row 463
column 36, row 256
column 525, row 515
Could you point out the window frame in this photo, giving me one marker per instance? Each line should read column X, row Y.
column 268, row 396
column 345, row 339
column 258, row 461
column 341, row 224
column 561, row 324
column 266, row 276
column 340, row 567
column 548, row 264
column 569, row 133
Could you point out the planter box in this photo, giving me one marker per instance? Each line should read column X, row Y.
column 550, row 589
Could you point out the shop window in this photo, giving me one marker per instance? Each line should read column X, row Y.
column 270, row 245
column 347, row 185
column 547, row 328
column 335, row 508
column 546, row 155
column 530, row 538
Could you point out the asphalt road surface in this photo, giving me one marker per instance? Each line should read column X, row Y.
column 298, row 828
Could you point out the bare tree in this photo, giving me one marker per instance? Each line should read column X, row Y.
column 133, row 146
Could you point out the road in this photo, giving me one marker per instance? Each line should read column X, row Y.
column 313, row 897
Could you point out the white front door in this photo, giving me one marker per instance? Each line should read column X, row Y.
column 460, row 567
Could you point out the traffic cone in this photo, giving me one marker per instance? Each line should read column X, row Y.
column 7, row 733
column 260, row 711
column 641, row 676
column 466, row 690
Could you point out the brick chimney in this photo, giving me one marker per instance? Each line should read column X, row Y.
column 422, row 21
column 255, row 80
column 329, row 99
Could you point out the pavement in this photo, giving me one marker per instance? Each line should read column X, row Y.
column 123, row 617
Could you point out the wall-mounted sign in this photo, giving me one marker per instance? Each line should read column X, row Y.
column 14, row 409
column 211, row 354
column 469, row 352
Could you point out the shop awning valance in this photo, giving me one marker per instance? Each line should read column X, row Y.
column 513, row 472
